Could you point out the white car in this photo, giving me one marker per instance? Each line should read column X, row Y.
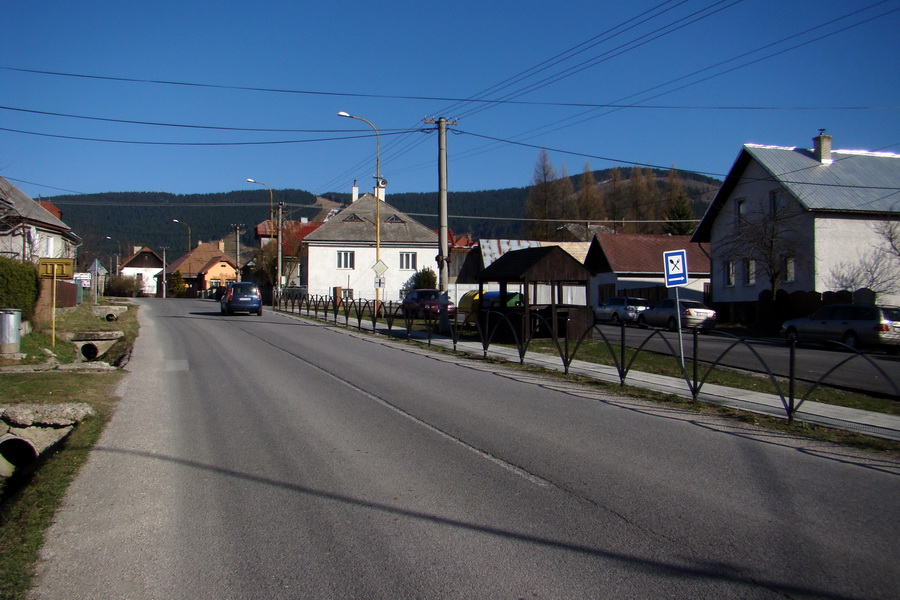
column 692, row 314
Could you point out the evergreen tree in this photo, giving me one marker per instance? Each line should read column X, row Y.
column 614, row 201
column 678, row 207
column 542, row 202
column 179, row 287
column 589, row 200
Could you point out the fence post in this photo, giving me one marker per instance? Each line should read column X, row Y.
column 791, row 378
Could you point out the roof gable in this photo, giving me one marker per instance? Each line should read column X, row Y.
column 356, row 223
column 550, row 263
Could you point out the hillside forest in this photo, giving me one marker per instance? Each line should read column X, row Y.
column 555, row 206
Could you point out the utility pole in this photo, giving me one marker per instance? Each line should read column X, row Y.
column 164, row 282
column 443, row 257
column 237, row 248
column 280, row 224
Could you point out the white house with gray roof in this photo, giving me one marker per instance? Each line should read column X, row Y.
column 28, row 231
column 342, row 252
column 822, row 208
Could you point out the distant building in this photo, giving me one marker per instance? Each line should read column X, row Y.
column 143, row 265
column 204, row 269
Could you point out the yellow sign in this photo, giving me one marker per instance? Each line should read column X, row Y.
column 64, row 268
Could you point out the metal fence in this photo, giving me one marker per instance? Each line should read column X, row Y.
column 520, row 328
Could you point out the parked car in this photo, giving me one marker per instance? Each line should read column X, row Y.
column 241, row 296
column 691, row 312
column 855, row 325
column 419, row 304
column 620, row 308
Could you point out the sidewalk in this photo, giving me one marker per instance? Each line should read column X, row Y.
column 815, row 413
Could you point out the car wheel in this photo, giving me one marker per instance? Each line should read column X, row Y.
column 259, row 312
column 641, row 321
column 851, row 339
column 615, row 318
column 672, row 325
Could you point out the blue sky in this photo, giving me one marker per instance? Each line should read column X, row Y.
column 197, row 96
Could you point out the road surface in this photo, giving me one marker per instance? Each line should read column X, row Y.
column 271, row 457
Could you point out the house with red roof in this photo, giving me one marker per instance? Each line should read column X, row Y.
column 623, row 261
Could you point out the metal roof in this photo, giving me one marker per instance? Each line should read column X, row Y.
column 854, row 181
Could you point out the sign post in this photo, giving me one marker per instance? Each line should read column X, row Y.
column 53, row 268
column 675, row 266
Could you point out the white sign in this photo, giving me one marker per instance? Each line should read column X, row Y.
column 675, row 265
column 379, row 282
column 379, row 268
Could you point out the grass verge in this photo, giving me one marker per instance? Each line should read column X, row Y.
column 30, row 498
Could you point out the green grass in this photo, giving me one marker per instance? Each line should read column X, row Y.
column 30, row 499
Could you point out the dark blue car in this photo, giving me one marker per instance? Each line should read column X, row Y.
column 242, row 296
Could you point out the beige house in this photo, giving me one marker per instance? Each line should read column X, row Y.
column 204, row 269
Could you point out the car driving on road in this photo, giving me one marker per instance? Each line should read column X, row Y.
column 242, row 296
column 854, row 325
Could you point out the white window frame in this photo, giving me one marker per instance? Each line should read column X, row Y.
column 729, row 273
column 750, row 271
column 408, row 261
column 790, row 269
column 346, row 260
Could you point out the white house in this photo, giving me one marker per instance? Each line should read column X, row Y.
column 143, row 265
column 804, row 220
column 342, row 252
column 28, row 231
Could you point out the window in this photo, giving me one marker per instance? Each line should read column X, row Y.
column 729, row 273
column 776, row 201
column 740, row 211
column 749, row 271
column 408, row 261
column 789, row 268
column 346, row 259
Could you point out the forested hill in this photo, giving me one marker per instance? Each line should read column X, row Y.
column 146, row 218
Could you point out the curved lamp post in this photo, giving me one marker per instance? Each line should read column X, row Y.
column 189, row 232
column 277, row 234
column 118, row 251
column 379, row 185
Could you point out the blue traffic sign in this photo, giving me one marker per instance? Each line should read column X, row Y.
column 676, row 267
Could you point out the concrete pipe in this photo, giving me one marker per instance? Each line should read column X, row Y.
column 90, row 351
column 17, row 451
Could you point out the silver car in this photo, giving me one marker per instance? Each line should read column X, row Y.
column 855, row 325
column 620, row 308
column 691, row 313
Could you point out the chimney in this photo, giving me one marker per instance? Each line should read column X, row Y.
column 221, row 245
column 822, row 148
column 355, row 196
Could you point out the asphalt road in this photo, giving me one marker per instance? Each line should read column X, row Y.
column 269, row 457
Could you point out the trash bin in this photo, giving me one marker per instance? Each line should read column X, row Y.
column 10, row 319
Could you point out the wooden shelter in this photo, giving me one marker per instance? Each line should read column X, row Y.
column 549, row 266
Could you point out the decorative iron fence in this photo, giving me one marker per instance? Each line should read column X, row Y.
column 520, row 328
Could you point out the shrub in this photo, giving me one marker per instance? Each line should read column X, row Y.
column 123, row 286
column 20, row 286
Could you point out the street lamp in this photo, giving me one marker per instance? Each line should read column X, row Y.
column 277, row 234
column 118, row 251
column 379, row 187
column 189, row 231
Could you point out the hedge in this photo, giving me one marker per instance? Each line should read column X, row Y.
column 19, row 286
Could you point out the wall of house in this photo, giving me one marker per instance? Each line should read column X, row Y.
column 754, row 189
column 323, row 275
column 147, row 277
column 28, row 244
column 221, row 273
column 842, row 242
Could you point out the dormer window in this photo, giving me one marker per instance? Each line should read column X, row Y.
column 354, row 218
column 395, row 219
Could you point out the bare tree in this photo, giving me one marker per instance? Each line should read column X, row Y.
column 588, row 199
column 768, row 236
column 543, row 202
column 877, row 269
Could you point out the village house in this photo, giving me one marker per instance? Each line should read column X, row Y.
column 804, row 220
